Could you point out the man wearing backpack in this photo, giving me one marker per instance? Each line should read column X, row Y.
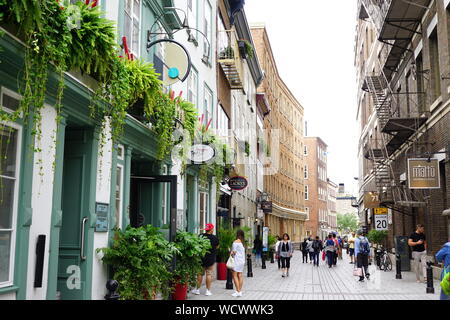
column 362, row 254
column 317, row 247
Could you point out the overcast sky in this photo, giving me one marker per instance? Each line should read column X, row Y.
column 313, row 44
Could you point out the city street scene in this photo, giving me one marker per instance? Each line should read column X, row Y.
column 224, row 150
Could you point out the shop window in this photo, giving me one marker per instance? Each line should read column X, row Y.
column 119, row 195
column 9, row 182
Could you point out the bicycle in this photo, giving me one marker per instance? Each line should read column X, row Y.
column 385, row 260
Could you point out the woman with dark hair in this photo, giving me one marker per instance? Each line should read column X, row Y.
column 330, row 249
column 238, row 252
column 285, row 250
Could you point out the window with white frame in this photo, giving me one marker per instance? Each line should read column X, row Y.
column 208, row 106
column 165, row 198
column 305, row 170
column 193, row 87
column 9, row 180
column 132, row 25
column 207, row 29
column 119, row 195
column 306, row 193
column 222, row 122
column 192, row 6
column 305, row 150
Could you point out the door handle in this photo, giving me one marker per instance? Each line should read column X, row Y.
column 83, row 225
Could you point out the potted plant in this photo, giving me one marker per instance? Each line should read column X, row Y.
column 245, row 49
column 190, row 250
column 226, row 238
column 226, row 53
column 140, row 259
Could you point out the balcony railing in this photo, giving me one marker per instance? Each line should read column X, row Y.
column 229, row 58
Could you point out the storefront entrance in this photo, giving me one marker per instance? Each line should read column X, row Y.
column 77, row 200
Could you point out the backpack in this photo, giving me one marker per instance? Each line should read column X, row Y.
column 364, row 246
column 445, row 282
column 316, row 245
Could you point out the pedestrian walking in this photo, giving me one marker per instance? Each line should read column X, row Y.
column 276, row 252
column 362, row 253
column 285, row 250
column 351, row 247
column 304, row 248
column 208, row 261
column 238, row 252
column 310, row 249
column 330, row 248
column 257, row 249
column 341, row 246
column 336, row 252
column 418, row 242
column 317, row 247
column 443, row 255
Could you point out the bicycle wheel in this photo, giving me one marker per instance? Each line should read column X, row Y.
column 383, row 263
column 388, row 264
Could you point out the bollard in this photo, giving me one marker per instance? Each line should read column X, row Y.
column 430, row 288
column 271, row 257
column 229, row 284
column 398, row 267
column 263, row 258
column 249, row 266
column 112, row 286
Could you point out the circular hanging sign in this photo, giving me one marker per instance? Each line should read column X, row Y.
column 237, row 183
column 201, row 153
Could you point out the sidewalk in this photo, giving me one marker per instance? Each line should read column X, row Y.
column 307, row 282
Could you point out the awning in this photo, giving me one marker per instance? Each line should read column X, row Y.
column 263, row 103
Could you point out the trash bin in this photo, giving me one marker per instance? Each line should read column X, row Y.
column 402, row 248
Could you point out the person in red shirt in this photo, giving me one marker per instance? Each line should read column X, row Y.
column 336, row 253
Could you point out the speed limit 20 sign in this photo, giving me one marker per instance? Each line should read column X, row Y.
column 381, row 218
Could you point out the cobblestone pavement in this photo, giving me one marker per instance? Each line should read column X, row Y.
column 307, row 282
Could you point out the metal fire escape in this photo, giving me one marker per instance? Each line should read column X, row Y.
column 396, row 22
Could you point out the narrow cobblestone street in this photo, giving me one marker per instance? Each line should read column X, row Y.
column 307, row 282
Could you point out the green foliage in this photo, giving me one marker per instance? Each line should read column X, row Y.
column 272, row 240
column 377, row 236
column 247, row 148
column 249, row 49
column 347, row 222
column 191, row 249
column 140, row 258
column 226, row 237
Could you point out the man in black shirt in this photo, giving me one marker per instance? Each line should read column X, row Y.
column 208, row 260
column 417, row 241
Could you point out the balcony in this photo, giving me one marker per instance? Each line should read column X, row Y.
column 396, row 21
column 229, row 58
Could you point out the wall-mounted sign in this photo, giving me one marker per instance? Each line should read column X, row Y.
column 266, row 206
column 371, row 200
column 201, row 153
column 380, row 211
column 423, row 174
column 265, row 239
column 237, row 183
column 101, row 210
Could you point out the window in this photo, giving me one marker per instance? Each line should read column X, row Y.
column 119, row 195
column 9, row 176
column 192, row 15
column 193, row 87
column 207, row 30
column 203, row 208
column 305, row 150
column 208, row 106
column 306, row 193
column 222, row 122
column 434, row 65
column 132, row 20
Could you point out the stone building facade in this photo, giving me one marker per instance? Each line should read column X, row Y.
column 403, row 76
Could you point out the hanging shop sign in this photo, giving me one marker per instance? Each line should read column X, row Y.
column 238, row 183
column 266, row 206
column 371, row 200
column 423, row 174
column 201, row 153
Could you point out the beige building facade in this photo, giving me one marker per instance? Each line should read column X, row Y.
column 283, row 179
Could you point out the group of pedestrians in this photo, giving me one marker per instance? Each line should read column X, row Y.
column 331, row 248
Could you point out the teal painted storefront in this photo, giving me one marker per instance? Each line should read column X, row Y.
column 135, row 157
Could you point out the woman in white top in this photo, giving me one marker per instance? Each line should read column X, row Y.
column 276, row 252
column 238, row 252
